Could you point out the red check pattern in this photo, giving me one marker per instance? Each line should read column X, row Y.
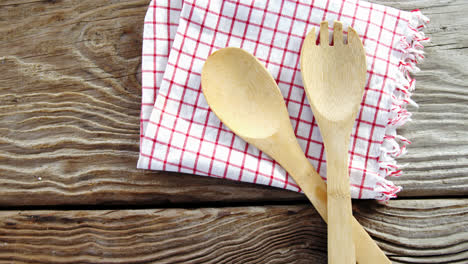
column 180, row 133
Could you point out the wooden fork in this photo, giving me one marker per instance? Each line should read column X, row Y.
column 334, row 78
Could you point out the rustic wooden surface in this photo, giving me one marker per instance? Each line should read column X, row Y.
column 69, row 109
column 409, row 231
column 438, row 158
column 70, row 102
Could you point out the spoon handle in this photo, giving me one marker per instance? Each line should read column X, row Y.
column 304, row 174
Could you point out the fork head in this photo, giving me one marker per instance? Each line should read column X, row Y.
column 334, row 76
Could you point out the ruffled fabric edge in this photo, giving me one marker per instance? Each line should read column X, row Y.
column 394, row 145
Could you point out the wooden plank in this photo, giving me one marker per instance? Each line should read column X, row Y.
column 437, row 159
column 70, row 99
column 70, row 106
column 410, row 231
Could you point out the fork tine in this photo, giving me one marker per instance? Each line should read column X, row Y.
column 337, row 33
column 310, row 38
column 324, row 34
column 353, row 37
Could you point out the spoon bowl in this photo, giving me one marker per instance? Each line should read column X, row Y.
column 239, row 76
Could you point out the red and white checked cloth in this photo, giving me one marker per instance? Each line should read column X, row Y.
column 180, row 133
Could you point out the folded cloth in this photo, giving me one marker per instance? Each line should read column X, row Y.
column 180, row 133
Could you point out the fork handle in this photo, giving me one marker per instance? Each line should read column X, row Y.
column 340, row 236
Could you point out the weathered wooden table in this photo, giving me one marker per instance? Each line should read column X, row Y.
column 69, row 122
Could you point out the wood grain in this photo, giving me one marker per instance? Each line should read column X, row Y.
column 410, row 231
column 70, row 99
column 70, row 106
column 437, row 159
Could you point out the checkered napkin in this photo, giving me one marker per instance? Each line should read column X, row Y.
column 180, row 133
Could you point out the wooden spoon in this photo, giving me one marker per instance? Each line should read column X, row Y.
column 334, row 78
column 245, row 97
